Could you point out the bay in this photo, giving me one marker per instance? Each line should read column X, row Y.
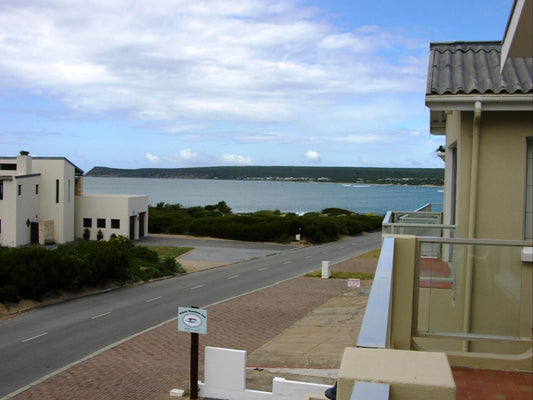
column 249, row 196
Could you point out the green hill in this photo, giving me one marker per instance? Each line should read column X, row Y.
column 405, row 176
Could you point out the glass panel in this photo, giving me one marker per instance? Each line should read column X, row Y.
column 495, row 293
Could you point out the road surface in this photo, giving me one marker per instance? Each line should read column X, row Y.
column 41, row 342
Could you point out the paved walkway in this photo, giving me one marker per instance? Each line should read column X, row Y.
column 150, row 364
column 297, row 329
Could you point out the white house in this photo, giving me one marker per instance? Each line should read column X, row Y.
column 42, row 201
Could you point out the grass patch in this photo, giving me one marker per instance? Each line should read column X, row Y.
column 342, row 275
column 370, row 254
column 169, row 251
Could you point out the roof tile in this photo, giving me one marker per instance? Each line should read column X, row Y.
column 474, row 68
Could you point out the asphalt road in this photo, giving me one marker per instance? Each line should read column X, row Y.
column 38, row 343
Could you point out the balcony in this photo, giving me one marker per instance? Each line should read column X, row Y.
column 467, row 299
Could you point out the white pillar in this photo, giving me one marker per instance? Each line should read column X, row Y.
column 326, row 269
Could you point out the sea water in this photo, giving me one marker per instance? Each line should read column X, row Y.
column 249, row 196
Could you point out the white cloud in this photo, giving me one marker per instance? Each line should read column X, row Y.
column 188, row 155
column 151, row 158
column 175, row 59
column 312, row 156
column 235, row 159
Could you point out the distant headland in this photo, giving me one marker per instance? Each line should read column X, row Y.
column 360, row 175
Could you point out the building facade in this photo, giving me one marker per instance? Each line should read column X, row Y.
column 42, row 201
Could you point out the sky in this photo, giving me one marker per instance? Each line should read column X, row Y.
column 182, row 83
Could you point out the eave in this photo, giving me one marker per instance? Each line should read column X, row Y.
column 491, row 102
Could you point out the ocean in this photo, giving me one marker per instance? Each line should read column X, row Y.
column 249, row 196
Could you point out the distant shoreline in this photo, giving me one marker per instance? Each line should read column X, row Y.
column 346, row 175
column 270, row 180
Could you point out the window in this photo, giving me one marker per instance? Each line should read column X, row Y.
column 1, row 190
column 87, row 222
column 57, row 190
column 100, row 223
column 19, row 189
column 8, row 167
column 36, row 189
column 0, row 226
column 115, row 223
column 528, row 224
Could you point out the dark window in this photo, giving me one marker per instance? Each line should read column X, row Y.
column 0, row 226
column 20, row 189
column 57, row 190
column 87, row 222
column 1, row 190
column 100, row 223
column 8, row 167
column 115, row 223
column 36, row 189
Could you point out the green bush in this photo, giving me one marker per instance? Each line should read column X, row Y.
column 33, row 272
column 260, row 226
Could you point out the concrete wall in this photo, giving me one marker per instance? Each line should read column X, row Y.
column 8, row 213
column 61, row 211
column 27, row 207
column 108, row 207
column 500, row 206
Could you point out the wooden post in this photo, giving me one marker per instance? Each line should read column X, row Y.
column 194, row 365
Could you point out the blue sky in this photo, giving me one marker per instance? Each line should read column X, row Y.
column 181, row 83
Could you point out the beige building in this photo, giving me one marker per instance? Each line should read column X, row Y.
column 454, row 288
column 42, row 201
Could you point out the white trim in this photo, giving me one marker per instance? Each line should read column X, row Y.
column 491, row 102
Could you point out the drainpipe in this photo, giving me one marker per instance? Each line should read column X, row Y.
column 474, row 172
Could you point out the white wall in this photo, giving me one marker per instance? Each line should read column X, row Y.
column 7, row 214
column 62, row 212
column 108, row 207
column 27, row 207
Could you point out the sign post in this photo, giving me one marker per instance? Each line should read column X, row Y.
column 193, row 320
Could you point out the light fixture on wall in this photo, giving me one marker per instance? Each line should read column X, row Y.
column 28, row 222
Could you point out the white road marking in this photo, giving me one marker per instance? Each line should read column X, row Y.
column 307, row 257
column 154, row 299
column 263, row 269
column 232, row 276
column 197, row 287
column 34, row 337
column 287, row 262
column 101, row 315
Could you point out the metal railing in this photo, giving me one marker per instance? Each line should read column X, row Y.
column 375, row 329
column 419, row 223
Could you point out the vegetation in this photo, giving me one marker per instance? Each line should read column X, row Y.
column 403, row 176
column 261, row 226
column 33, row 272
column 349, row 275
column 342, row 275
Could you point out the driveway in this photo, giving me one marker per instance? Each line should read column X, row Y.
column 209, row 252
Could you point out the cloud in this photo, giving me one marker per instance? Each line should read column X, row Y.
column 188, row 155
column 152, row 159
column 312, row 156
column 235, row 159
column 175, row 59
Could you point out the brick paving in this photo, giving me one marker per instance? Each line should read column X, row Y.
column 479, row 384
column 149, row 365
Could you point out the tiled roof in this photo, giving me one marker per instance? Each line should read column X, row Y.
column 474, row 68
